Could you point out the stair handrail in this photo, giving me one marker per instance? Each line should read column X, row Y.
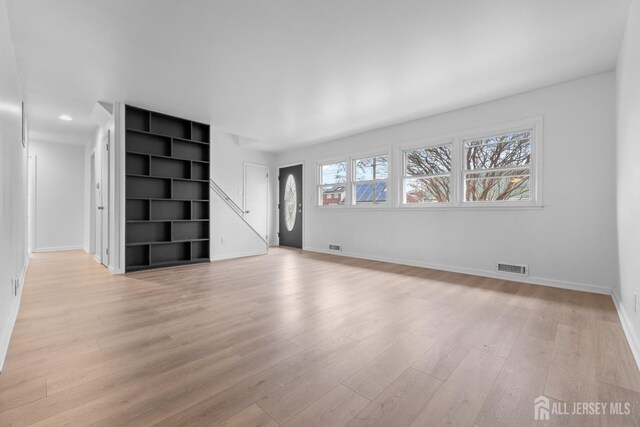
column 235, row 208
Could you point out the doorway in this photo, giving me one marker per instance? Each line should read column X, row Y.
column 31, row 203
column 256, row 197
column 290, row 206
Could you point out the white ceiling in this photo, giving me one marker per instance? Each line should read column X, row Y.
column 293, row 72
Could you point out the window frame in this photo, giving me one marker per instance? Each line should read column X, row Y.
column 352, row 175
column 535, row 165
column 452, row 175
column 320, row 185
column 395, row 153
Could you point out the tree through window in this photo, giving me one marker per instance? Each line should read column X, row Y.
column 498, row 167
column 427, row 175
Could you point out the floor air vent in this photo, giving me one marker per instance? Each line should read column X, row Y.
column 513, row 269
column 335, row 247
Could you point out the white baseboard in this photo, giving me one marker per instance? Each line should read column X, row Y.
column 627, row 327
column 5, row 338
column 222, row 257
column 562, row 284
column 59, row 248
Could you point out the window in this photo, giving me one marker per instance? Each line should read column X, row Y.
column 498, row 168
column 333, row 184
column 427, row 175
column 493, row 168
column 370, row 180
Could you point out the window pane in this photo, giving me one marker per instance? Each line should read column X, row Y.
column 512, row 149
column 332, row 195
column 334, row 173
column 498, row 185
column 371, row 168
column 370, row 192
column 426, row 190
column 428, row 161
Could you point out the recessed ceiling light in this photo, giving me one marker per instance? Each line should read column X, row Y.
column 65, row 117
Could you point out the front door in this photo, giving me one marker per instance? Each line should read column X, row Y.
column 290, row 205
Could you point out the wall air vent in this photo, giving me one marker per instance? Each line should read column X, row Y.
column 335, row 247
column 521, row 270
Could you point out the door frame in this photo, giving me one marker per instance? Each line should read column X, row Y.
column 97, row 214
column 244, row 192
column 105, row 186
column 304, row 201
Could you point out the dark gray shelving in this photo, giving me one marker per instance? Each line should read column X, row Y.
column 167, row 190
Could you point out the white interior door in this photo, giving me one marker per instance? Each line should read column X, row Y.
column 256, row 197
column 92, row 201
column 98, row 210
column 104, row 200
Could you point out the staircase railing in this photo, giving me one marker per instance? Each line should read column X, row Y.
column 235, row 208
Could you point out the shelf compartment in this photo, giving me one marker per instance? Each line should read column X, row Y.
column 148, row 232
column 170, row 210
column 171, row 252
column 170, row 126
column 190, row 190
column 137, row 119
column 170, row 168
column 137, row 257
column 190, row 151
column 147, row 143
column 190, row 230
column 200, row 210
column 148, row 188
column 137, row 210
column 200, row 171
column 200, row 250
column 199, row 132
column 137, row 164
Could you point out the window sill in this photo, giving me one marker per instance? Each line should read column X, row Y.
column 404, row 208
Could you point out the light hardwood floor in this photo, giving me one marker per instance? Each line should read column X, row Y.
column 303, row 339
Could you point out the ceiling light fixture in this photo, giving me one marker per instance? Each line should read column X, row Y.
column 65, row 117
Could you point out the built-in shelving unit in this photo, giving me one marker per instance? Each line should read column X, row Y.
column 167, row 190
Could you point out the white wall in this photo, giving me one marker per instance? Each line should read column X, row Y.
column 570, row 242
column 13, row 184
column 628, row 175
column 60, row 193
column 227, row 170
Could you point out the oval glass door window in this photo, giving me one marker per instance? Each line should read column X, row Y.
column 290, row 203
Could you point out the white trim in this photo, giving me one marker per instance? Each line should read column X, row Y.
column 5, row 338
column 223, row 257
column 562, row 284
column 59, row 248
column 627, row 327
